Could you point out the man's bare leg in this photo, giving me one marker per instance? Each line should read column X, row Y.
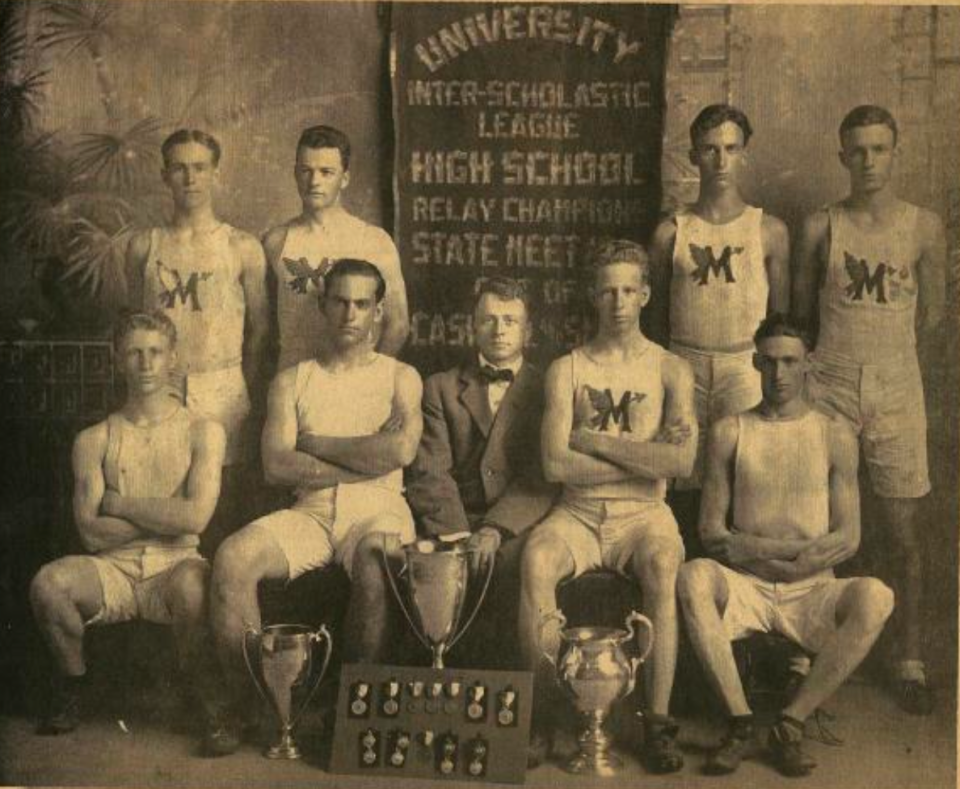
column 656, row 564
column 370, row 624
column 862, row 611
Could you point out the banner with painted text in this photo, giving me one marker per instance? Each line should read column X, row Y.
column 525, row 134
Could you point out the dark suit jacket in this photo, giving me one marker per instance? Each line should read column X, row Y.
column 471, row 466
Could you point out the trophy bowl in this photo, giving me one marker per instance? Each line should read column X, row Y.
column 281, row 661
column 594, row 673
column 437, row 576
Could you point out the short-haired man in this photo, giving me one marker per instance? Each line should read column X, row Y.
column 301, row 250
column 340, row 428
column 870, row 269
column 619, row 422
column 478, row 468
column 210, row 280
column 780, row 510
column 718, row 266
column 146, row 484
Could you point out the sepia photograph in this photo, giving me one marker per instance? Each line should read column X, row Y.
column 423, row 393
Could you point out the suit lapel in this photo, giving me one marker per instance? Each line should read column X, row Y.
column 473, row 395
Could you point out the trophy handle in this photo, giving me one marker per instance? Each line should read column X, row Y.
column 249, row 631
column 553, row 615
column 634, row 618
column 320, row 634
column 476, row 608
column 397, row 595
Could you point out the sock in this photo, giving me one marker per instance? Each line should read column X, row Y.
column 741, row 726
column 70, row 683
column 912, row 671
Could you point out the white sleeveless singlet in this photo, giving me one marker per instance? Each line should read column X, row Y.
column 719, row 287
column 624, row 400
column 346, row 404
column 305, row 258
column 200, row 288
column 782, row 475
column 868, row 299
column 150, row 461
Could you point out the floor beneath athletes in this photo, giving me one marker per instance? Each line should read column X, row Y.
column 138, row 742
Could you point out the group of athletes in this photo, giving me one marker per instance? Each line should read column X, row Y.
column 778, row 375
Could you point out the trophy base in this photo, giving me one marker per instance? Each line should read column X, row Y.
column 286, row 749
column 603, row 764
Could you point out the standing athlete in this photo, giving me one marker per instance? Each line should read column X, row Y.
column 870, row 270
column 210, row 279
column 303, row 249
column 718, row 267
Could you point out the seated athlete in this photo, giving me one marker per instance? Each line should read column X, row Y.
column 477, row 469
column 146, row 484
column 619, row 421
column 340, row 428
column 780, row 511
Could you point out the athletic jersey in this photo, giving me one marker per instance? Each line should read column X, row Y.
column 199, row 287
column 346, row 404
column 868, row 298
column 782, row 476
column 623, row 400
column 150, row 461
column 305, row 258
column 719, row 287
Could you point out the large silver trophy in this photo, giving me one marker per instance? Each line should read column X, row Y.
column 594, row 673
column 437, row 577
column 281, row 660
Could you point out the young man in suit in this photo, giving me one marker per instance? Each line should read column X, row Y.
column 477, row 468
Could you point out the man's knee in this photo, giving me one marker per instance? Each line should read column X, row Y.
column 241, row 562
column 696, row 585
column 50, row 586
column 545, row 560
column 870, row 602
column 187, row 590
column 657, row 565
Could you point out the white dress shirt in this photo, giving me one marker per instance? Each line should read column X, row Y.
column 497, row 390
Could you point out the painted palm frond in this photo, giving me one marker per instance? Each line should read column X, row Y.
column 95, row 260
column 37, row 222
column 14, row 42
column 76, row 24
column 19, row 102
column 119, row 161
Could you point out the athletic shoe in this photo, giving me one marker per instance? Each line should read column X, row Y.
column 222, row 735
column 915, row 697
column 735, row 747
column 660, row 753
column 539, row 748
column 788, row 757
column 63, row 714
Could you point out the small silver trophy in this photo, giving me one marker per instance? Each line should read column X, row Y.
column 437, row 578
column 593, row 671
column 280, row 659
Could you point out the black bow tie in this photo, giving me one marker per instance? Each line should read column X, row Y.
column 493, row 374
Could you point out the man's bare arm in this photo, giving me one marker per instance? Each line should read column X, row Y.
column 382, row 452
column 98, row 532
column 396, row 318
column 653, row 459
column 282, row 463
column 931, row 271
column 808, row 268
column 776, row 253
column 661, row 273
column 138, row 248
column 187, row 515
column 256, row 316
column 560, row 462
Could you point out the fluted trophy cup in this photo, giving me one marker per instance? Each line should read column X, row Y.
column 594, row 673
column 432, row 592
column 281, row 660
